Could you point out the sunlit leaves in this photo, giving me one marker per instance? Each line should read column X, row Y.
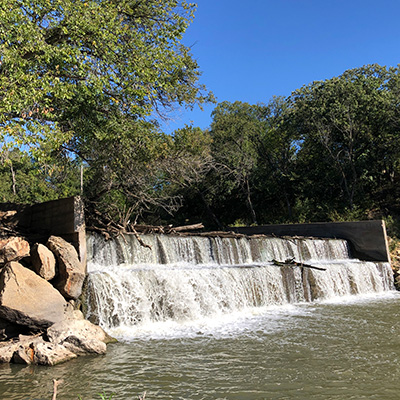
column 120, row 56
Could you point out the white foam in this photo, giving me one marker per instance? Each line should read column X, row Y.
column 186, row 287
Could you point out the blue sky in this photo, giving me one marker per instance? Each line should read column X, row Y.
column 250, row 51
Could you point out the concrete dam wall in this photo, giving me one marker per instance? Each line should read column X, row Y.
column 65, row 218
column 367, row 239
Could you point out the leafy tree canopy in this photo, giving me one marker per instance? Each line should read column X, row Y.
column 65, row 61
column 349, row 125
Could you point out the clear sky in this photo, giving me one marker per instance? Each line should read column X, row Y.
column 255, row 49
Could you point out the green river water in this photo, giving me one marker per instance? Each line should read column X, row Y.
column 344, row 349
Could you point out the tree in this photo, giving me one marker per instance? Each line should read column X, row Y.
column 255, row 149
column 67, row 63
column 196, row 170
column 234, row 131
column 24, row 181
column 277, row 149
column 347, row 125
column 86, row 81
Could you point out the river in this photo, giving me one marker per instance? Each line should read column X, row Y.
column 344, row 348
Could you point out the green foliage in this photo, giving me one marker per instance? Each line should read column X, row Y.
column 236, row 131
column 347, row 125
column 330, row 151
column 82, row 83
column 61, row 60
column 26, row 181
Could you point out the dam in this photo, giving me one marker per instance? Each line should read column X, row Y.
column 183, row 280
column 211, row 317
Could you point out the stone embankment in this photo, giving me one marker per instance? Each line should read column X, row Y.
column 39, row 287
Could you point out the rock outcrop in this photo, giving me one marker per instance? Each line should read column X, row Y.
column 79, row 336
column 71, row 272
column 27, row 299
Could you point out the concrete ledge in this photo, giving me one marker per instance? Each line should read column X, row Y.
column 368, row 240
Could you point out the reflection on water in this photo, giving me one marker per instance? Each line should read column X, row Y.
column 344, row 350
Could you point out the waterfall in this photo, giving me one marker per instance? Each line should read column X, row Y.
column 188, row 278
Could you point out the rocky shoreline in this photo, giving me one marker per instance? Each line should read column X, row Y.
column 39, row 290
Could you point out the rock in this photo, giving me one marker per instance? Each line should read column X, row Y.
column 27, row 299
column 13, row 249
column 63, row 341
column 24, row 354
column 71, row 272
column 34, row 350
column 75, row 326
column 7, row 351
column 79, row 336
column 43, row 261
column 51, row 353
column 80, row 346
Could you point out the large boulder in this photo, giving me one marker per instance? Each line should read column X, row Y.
column 71, row 272
column 13, row 249
column 64, row 340
column 43, row 261
column 27, row 299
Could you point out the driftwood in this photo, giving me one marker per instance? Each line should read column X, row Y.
column 221, row 234
column 290, row 262
column 167, row 229
column 7, row 214
column 187, row 227
column 111, row 229
column 55, row 385
column 140, row 240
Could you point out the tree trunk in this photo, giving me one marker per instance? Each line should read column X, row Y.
column 249, row 202
column 14, row 185
column 210, row 212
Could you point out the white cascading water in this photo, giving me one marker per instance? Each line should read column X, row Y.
column 189, row 278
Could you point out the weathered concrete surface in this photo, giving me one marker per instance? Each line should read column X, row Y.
column 368, row 240
column 63, row 217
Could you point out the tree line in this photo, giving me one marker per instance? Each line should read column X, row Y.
column 328, row 152
column 84, row 84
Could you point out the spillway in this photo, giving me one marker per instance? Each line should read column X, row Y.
column 186, row 279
